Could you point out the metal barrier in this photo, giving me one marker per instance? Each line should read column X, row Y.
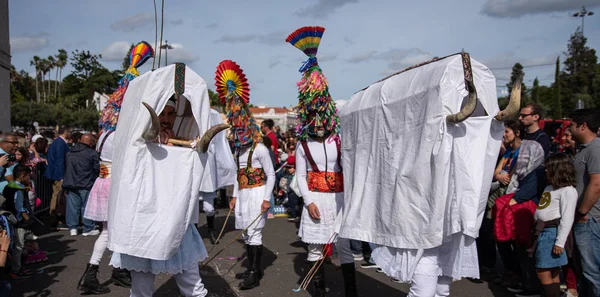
column 43, row 188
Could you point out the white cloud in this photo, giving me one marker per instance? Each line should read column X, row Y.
column 28, row 43
column 362, row 57
column 176, row 22
column 116, row 51
column 519, row 8
column 180, row 54
column 133, row 22
column 323, row 8
column 273, row 38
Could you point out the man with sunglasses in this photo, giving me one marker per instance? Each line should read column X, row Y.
column 8, row 146
column 530, row 116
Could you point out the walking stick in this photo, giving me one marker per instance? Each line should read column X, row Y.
column 224, row 224
column 231, row 241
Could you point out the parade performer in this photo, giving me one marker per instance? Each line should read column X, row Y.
column 255, row 174
column 220, row 161
column 419, row 153
column 318, row 166
column 153, row 202
column 97, row 205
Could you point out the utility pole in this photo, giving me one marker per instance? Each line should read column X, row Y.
column 582, row 14
column 166, row 47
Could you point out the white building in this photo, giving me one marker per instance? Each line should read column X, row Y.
column 99, row 101
column 283, row 117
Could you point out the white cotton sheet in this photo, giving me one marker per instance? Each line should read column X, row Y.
column 155, row 187
column 412, row 180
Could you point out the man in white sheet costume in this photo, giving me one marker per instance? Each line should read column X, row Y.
column 153, row 202
column 255, row 174
column 219, row 156
column 418, row 175
column 97, row 205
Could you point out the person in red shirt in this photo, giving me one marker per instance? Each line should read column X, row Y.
column 266, row 127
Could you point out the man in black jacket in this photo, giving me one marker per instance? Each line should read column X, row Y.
column 81, row 171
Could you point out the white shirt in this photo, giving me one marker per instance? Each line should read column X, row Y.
column 260, row 159
column 556, row 204
column 317, row 151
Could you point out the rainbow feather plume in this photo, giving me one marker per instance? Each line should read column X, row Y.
column 314, row 101
column 234, row 91
column 110, row 114
column 307, row 39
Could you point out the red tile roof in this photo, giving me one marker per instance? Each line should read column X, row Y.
column 256, row 110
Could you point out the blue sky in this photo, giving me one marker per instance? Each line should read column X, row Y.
column 364, row 39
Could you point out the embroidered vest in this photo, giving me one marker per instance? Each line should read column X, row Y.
column 249, row 177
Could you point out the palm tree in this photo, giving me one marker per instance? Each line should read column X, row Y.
column 36, row 63
column 51, row 65
column 61, row 62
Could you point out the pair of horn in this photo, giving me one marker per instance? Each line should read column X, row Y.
column 200, row 145
column 509, row 112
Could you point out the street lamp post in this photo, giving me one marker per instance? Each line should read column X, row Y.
column 582, row 14
column 166, row 47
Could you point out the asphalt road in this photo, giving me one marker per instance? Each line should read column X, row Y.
column 283, row 261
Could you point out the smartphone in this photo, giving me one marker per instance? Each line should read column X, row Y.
column 11, row 157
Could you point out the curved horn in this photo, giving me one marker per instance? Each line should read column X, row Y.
column 209, row 135
column 469, row 108
column 152, row 133
column 514, row 104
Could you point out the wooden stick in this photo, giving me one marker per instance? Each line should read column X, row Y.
column 224, row 224
column 230, row 242
column 185, row 143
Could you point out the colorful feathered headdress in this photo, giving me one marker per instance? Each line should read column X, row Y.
column 234, row 91
column 110, row 115
column 315, row 105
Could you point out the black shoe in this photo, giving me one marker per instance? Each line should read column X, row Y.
column 253, row 279
column 318, row 280
column 89, row 283
column 528, row 293
column 210, row 225
column 121, row 277
column 246, row 274
column 349, row 273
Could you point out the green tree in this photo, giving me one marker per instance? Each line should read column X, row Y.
column 61, row 61
column 535, row 91
column 579, row 73
column 516, row 71
column 127, row 59
column 35, row 62
column 84, row 63
column 557, row 89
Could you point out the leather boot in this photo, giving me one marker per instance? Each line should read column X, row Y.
column 318, row 280
column 253, row 279
column 349, row 273
column 121, row 277
column 246, row 273
column 210, row 224
column 89, row 283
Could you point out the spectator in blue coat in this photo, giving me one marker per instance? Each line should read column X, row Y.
column 56, row 164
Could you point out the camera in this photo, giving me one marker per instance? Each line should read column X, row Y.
column 11, row 157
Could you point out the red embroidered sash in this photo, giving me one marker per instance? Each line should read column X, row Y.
column 325, row 182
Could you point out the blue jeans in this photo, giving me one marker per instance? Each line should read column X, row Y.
column 76, row 202
column 587, row 238
column 5, row 288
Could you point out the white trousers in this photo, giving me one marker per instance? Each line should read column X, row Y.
column 430, row 286
column 208, row 204
column 189, row 283
column 315, row 251
column 100, row 246
column 253, row 236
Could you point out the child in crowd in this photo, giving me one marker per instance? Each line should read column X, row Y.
column 554, row 218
